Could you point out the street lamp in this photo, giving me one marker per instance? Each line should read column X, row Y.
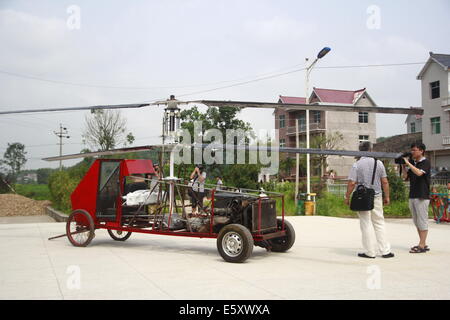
column 320, row 55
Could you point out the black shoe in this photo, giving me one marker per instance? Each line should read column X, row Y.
column 389, row 255
column 363, row 255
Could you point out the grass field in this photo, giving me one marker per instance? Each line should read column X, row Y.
column 33, row 191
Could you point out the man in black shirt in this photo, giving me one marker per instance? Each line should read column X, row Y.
column 418, row 174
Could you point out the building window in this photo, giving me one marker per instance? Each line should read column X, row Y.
column 316, row 116
column 363, row 117
column 436, row 125
column 412, row 127
column 434, row 90
column 363, row 138
column 282, row 143
column 301, row 122
column 282, row 121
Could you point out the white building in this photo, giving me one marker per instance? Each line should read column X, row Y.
column 413, row 123
column 435, row 77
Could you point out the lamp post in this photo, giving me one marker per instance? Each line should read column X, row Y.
column 320, row 55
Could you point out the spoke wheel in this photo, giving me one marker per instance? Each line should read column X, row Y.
column 119, row 235
column 80, row 228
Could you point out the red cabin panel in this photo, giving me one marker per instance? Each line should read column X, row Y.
column 85, row 194
column 137, row 166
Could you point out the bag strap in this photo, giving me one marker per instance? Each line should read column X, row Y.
column 374, row 170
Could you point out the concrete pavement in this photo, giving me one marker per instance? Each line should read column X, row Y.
column 322, row 264
column 25, row 219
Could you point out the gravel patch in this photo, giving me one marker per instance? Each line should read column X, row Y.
column 17, row 205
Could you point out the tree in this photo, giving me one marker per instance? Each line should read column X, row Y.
column 43, row 175
column 218, row 118
column 330, row 141
column 14, row 158
column 105, row 130
column 223, row 119
column 287, row 164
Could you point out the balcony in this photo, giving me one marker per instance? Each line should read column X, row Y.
column 446, row 140
column 302, row 128
column 445, row 102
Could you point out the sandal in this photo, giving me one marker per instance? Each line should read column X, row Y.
column 417, row 249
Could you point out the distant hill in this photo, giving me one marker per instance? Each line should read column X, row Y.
column 398, row 143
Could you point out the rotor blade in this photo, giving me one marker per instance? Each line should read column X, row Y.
column 102, row 153
column 116, row 106
column 167, row 102
column 165, row 148
column 345, row 153
column 303, row 106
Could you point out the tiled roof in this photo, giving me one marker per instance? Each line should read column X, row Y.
column 286, row 99
column 338, row 96
column 443, row 59
column 328, row 96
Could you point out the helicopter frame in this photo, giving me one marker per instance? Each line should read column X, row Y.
column 97, row 203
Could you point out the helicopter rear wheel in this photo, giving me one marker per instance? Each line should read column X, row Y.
column 80, row 228
column 119, row 235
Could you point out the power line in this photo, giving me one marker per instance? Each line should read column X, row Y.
column 297, row 70
column 259, row 78
column 371, row 65
column 30, row 77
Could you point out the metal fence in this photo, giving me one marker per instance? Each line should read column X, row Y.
column 439, row 182
column 338, row 189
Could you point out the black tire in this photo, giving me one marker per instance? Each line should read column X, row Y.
column 235, row 243
column 283, row 244
column 119, row 235
column 80, row 229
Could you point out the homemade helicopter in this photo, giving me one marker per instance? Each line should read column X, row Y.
column 238, row 219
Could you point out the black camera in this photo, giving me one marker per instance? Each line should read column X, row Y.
column 400, row 160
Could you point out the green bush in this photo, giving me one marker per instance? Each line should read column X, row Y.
column 397, row 188
column 63, row 183
column 397, row 209
column 331, row 205
column 61, row 186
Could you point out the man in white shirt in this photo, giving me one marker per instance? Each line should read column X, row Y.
column 361, row 173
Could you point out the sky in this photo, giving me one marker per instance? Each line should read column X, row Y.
column 82, row 53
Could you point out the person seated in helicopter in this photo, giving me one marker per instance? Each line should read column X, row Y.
column 154, row 184
column 137, row 182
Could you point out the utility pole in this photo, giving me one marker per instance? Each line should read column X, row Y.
column 62, row 133
column 297, row 161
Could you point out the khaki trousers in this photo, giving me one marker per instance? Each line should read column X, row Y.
column 373, row 230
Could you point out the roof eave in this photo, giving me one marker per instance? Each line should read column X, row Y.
column 427, row 64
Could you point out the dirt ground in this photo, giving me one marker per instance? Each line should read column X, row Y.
column 17, row 205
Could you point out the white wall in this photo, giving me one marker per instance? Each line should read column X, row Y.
column 433, row 107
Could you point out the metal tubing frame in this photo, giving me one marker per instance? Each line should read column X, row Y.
column 257, row 235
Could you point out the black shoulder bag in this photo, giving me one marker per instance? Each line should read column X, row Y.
column 363, row 198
